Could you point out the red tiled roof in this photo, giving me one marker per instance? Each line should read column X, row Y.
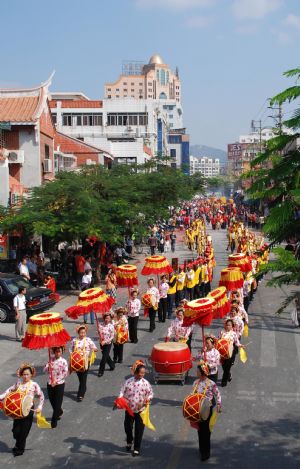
column 72, row 145
column 81, row 103
column 18, row 109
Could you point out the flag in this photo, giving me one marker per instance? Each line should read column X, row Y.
column 41, row 421
column 145, row 416
column 121, row 403
column 243, row 355
column 213, row 420
column 246, row 331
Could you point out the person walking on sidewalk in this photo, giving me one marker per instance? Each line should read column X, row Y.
column 20, row 309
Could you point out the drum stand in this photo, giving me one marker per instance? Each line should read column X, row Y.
column 181, row 376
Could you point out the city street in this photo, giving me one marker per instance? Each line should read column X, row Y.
column 258, row 427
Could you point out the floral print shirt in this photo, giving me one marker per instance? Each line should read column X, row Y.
column 210, row 389
column 85, row 344
column 163, row 290
column 107, row 333
column 134, row 307
column 137, row 392
column 57, row 369
column 177, row 330
column 212, row 358
column 31, row 388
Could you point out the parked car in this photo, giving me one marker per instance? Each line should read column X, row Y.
column 38, row 298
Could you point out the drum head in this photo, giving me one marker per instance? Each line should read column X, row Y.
column 170, row 346
column 27, row 402
column 205, row 409
column 230, row 349
column 86, row 361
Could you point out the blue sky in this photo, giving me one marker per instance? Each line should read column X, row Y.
column 230, row 53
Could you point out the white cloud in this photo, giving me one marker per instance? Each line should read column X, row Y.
column 283, row 37
column 247, row 29
column 174, row 4
column 198, row 22
column 292, row 20
column 254, row 9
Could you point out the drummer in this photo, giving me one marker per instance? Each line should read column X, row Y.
column 229, row 334
column 212, row 356
column 138, row 392
column 57, row 370
column 106, row 332
column 155, row 296
column 206, row 386
column 121, row 333
column 83, row 344
column 177, row 331
column 21, row 427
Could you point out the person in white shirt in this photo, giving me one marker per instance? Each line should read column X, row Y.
column 163, row 301
column 24, row 269
column 86, row 283
column 20, row 309
column 133, row 308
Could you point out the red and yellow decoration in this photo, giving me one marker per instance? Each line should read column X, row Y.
column 222, row 305
column 93, row 299
column 195, row 407
column 231, row 278
column 127, row 275
column 156, row 265
column 45, row 330
column 199, row 311
column 240, row 261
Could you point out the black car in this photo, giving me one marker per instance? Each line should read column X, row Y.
column 38, row 299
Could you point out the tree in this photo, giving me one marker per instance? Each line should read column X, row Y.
column 100, row 202
column 275, row 176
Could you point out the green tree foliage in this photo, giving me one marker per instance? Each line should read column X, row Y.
column 275, row 176
column 101, row 202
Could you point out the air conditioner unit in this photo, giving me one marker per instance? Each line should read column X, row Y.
column 47, row 165
column 16, row 156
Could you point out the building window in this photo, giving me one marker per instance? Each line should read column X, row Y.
column 125, row 90
column 67, row 120
column 173, row 152
column 117, row 89
column 171, row 124
column 171, row 116
column 149, row 96
column 47, row 152
column 125, row 83
column 54, row 118
column 108, row 89
column 132, row 84
column 109, row 96
column 132, row 91
column 79, row 120
column 141, row 91
column 140, row 84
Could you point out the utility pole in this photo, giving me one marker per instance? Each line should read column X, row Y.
column 277, row 117
column 256, row 127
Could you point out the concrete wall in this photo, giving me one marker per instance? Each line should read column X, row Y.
column 31, row 170
column 4, row 183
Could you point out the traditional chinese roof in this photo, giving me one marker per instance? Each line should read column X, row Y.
column 80, row 103
column 23, row 106
column 67, row 144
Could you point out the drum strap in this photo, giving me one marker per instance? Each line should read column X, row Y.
column 84, row 345
column 26, row 390
column 205, row 389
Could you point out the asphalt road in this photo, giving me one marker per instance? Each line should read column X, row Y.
column 259, row 425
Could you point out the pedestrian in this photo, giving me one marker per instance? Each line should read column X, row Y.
column 212, row 356
column 111, row 284
column 173, row 241
column 133, row 308
column 23, row 269
column 25, row 385
column 138, row 393
column 121, row 333
column 152, row 242
column 209, row 389
column 57, row 369
column 20, row 309
column 85, row 346
column 79, row 265
column 155, row 296
column 106, row 332
column 163, row 299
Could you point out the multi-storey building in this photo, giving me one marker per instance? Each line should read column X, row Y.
column 209, row 167
column 154, row 80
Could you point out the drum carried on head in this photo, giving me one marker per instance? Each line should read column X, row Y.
column 171, row 361
column 196, row 407
column 17, row 405
column 225, row 348
column 79, row 361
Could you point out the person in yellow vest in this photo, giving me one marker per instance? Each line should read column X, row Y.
column 190, row 238
column 197, row 272
column 189, row 282
column 171, row 293
column 180, row 286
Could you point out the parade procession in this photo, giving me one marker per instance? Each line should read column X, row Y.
column 203, row 323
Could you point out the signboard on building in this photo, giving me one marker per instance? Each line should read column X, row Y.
column 234, row 151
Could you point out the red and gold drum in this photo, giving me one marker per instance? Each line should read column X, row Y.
column 225, row 348
column 79, row 361
column 147, row 300
column 196, row 407
column 171, row 358
column 17, row 405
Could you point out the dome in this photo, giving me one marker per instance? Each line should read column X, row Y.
column 156, row 59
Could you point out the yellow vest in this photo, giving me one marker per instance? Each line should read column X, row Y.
column 190, row 282
column 172, row 289
column 197, row 275
column 180, row 285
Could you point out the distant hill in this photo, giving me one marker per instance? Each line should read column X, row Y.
column 203, row 150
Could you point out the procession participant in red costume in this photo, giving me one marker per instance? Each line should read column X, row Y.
column 57, row 370
column 106, row 332
column 138, row 393
column 25, row 385
column 207, row 387
column 86, row 346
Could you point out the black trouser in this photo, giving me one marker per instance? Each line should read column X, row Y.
column 118, row 352
column 234, row 353
column 179, row 296
column 162, row 309
column 246, row 303
column 106, row 358
column 232, row 245
column 138, row 430
column 214, row 377
column 196, row 292
column 171, row 302
column 152, row 313
column 82, row 376
column 21, row 429
column 189, row 342
column 226, row 365
column 204, row 437
column 132, row 326
column 56, row 395
column 207, row 288
column 152, row 250
column 190, row 293
column 172, row 247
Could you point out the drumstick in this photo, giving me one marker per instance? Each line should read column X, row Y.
column 246, row 345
